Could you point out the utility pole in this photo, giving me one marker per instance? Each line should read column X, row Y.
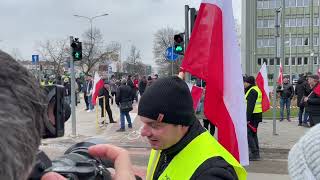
column 275, row 72
column 73, row 92
column 186, row 33
column 310, row 63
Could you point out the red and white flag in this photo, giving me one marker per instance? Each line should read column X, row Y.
column 262, row 83
column 280, row 77
column 218, row 63
column 319, row 72
column 97, row 85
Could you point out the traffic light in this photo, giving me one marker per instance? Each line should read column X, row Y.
column 76, row 50
column 178, row 44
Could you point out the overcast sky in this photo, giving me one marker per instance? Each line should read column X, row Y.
column 26, row 22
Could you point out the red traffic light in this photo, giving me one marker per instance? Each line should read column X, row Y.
column 178, row 38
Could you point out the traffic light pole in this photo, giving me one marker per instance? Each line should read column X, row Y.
column 186, row 33
column 73, row 92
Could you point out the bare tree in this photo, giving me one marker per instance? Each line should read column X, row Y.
column 133, row 65
column 163, row 39
column 56, row 52
column 94, row 51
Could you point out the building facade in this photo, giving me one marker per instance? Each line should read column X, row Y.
column 298, row 44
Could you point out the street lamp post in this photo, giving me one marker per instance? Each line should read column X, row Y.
column 91, row 21
column 290, row 59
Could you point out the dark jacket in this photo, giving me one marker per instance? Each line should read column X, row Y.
column 302, row 89
column 253, row 118
column 89, row 87
column 67, row 89
column 313, row 104
column 104, row 92
column 287, row 92
column 142, row 86
column 124, row 94
column 215, row 168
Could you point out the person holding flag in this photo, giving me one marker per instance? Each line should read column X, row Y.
column 254, row 115
column 313, row 100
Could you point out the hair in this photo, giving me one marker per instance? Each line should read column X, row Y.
column 123, row 81
column 23, row 109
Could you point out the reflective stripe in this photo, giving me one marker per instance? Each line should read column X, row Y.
column 187, row 161
column 258, row 105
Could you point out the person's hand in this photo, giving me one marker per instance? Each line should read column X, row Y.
column 120, row 157
column 305, row 99
column 52, row 176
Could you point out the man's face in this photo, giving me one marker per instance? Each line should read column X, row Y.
column 312, row 82
column 106, row 86
column 161, row 135
column 246, row 84
column 286, row 80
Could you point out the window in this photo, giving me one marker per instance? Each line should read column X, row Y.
column 305, row 60
column 315, row 60
column 265, row 23
column 293, row 41
column 259, row 61
column 306, row 22
column 299, row 41
column 271, row 42
column 260, row 24
column 278, row 61
column 259, row 43
column 286, row 24
column 260, row 5
column 315, row 41
column 265, row 4
column 299, row 22
column 278, row 3
column 299, row 60
column 265, row 60
column 286, row 61
column 306, row 2
column 271, row 23
column 272, row 4
column 292, row 3
column 300, row 3
column 306, row 41
column 271, row 61
column 315, row 21
column 293, row 61
column 265, row 42
column 292, row 23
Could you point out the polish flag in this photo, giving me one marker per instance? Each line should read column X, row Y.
column 97, row 85
column 218, row 63
column 316, row 90
column 280, row 77
column 262, row 83
column 319, row 72
column 196, row 93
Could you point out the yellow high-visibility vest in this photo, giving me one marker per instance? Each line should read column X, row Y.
column 187, row 161
column 258, row 105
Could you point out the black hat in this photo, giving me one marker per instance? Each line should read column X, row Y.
column 250, row 80
column 170, row 97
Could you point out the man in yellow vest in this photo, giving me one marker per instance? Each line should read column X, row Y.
column 254, row 115
column 181, row 148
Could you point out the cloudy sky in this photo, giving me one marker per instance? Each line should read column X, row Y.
column 24, row 23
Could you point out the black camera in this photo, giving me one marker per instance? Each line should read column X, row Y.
column 75, row 164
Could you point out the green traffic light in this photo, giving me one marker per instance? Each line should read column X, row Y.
column 179, row 49
column 77, row 55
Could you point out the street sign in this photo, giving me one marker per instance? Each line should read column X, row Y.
column 35, row 59
column 170, row 54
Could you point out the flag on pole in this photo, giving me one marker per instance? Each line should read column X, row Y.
column 262, row 83
column 97, row 85
column 218, row 63
column 196, row 93
column 316, row 90
column 280, row 77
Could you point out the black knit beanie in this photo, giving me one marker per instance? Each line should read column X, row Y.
column 171, row 97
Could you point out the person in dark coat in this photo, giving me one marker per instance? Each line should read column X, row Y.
column 254, row 116
column 142, row 85
column 302, row 90
column 313, row 101
column 124, row 96
column 286, row 94
column 67, row 89
column 105, row 92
